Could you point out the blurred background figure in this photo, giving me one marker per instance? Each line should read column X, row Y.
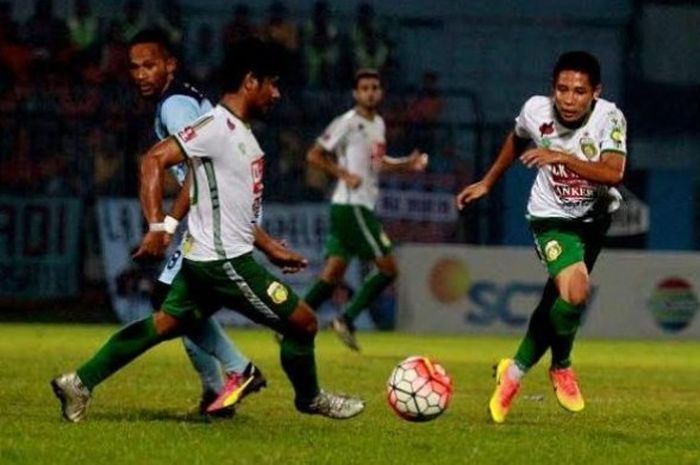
column 83, row 26
column 424, row 112
column 369, row 47
column 280, row 30
column 169, row 20
column 321, row 48
column 132, row 19
column 202, row 60
column 46, row 34
column 238, row 27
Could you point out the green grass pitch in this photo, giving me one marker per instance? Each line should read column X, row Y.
column 642, row 406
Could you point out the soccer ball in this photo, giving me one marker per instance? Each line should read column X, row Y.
column 419, row 389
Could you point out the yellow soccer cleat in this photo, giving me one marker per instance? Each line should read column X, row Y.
column 506, row 389
column 566, row 388
column 238, row 386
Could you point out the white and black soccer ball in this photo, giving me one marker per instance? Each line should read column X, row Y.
column 419, row 389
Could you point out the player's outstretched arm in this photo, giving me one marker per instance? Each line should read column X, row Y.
column 278, row 252
column 320, row 159
column 152, row 175
column 415, row 162
column 608, row 170
column 512, row 147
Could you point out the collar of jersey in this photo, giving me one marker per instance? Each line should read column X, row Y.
column 579, row 124
column 234, row 114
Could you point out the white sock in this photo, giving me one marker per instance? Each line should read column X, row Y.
column 515, row 372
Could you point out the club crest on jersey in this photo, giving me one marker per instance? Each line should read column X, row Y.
column 617, row 136
column 187, row 134
column 547, row 129
column 385, row 239
column 277, row 292
column 552, row 251
column 588, row 147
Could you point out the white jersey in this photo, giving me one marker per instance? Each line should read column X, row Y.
column 557, row 191
column 226, row 196
column 360, row 145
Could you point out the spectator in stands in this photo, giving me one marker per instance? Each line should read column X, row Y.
column 279, row 29
column 321, row 48
column 283, row 32
column 46, row 35
column 83, row 26
column 6, row 21
column 169, row 20
column 132, row 20
column 239, row 27
column 15, row 56
column 369, row 47
column 423, row 113
column 115, row 58
column 202, row 61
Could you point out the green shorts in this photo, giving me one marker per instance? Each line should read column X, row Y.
column 202, row 288
column 355, row 231
column 561, row 243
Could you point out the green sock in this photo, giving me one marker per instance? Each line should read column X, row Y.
column 565, row 319
column 299, row 362
column 319, row 293
column 124, row 346
column 539, row 332
column 370, row 290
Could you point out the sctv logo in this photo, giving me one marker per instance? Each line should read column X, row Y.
column 489, row 301
column 510, row 302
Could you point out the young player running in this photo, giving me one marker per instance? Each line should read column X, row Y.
column 579, row 153
column 357, row 139
column 218, row 267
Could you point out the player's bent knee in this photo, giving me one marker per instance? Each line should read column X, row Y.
column 388, row 267
column 303, row 321
column 167, row 326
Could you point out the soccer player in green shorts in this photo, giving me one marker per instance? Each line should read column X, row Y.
column 353, row 150
column 579, row 152
column 218, row 269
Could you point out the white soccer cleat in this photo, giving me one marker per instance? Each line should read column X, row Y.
column 74, row 396
column 345, row 332
column 336, row 406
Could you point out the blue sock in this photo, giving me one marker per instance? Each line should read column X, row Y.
column 210, row 337
column 206, row 365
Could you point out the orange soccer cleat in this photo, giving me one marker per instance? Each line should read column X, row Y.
column 566, row 388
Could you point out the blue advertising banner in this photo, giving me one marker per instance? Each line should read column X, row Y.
column 39, row 247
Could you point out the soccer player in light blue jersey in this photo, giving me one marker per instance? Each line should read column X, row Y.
column 152, row 68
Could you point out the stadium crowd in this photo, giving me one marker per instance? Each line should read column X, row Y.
column 70, row 123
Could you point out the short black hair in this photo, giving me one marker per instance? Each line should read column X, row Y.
column 250, row 55
column 580, row 61
column 152, row 36
column 365, row 73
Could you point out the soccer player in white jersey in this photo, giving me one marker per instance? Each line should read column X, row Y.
column 153, row 68
column 218, row 267
column 579, row 152
column 353, row 150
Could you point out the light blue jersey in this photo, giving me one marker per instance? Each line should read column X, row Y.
column 179, row 105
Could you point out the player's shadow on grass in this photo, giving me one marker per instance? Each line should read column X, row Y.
column 144, row 415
